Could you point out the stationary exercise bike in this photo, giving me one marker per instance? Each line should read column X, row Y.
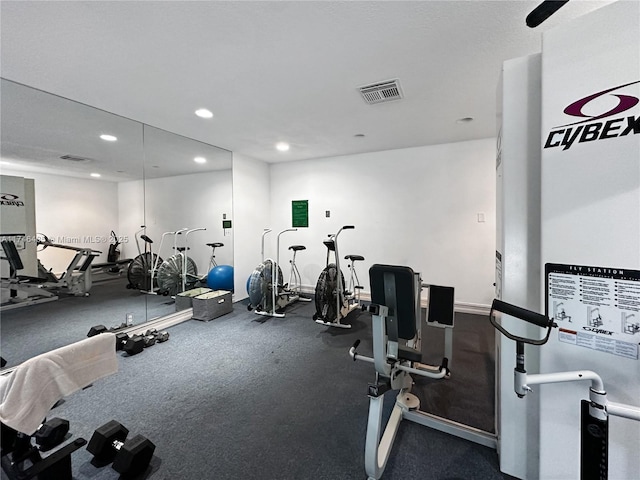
column 212, row 259
column 142, row 269
column 333, row 301
column 179, row 272
column 268, row 295
column 594, row 413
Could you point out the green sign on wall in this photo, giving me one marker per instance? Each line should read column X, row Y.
column 300, row 213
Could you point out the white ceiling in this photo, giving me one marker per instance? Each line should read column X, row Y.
column 275, row 71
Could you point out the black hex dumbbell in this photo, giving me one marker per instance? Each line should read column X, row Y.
column 109, row 444
column 134, row 345
column 158, row 337
column 98, row 329
column 121, row 340
column 51, row 433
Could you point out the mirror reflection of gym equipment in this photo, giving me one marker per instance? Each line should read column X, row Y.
column 334, row 300
column 268, row 294
column 141, row 271
column 20, row 245
column 594, row 413
column 179, row 272
column 151, row 274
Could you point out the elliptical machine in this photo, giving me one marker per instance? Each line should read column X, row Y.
column 268, row 295
column 333, row 301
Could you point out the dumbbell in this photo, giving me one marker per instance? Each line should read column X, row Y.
column 133, row 345
column 98, row 329
column 158, row 336
column 109, row 444
column 51, row 433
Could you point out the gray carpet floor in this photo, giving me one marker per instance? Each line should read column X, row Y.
column 251, row 397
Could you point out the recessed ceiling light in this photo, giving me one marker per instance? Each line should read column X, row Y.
column 282, row 146
column 96, row 175
column 464, row 120
column 204, row 113
column 200, row 160
column 108, row 138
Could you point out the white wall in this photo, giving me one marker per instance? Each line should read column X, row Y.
column 251, row 213
column 590, row 216
column 130, row 216
column 73, row 211
column 414, row 206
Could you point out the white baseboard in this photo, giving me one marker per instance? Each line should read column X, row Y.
column 462, row 307
column 474, row 308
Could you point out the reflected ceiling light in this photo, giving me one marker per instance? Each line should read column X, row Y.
column 282, row 146
column 96, row 175
column 204, row 113
column 464, row 120
column 200, row 160
column 108, row 138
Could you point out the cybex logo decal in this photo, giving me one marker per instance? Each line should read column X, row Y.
column 578, row 132
column 11, row 199
column 598, row 330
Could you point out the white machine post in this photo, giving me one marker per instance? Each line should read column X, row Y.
column 184, row 256
column 274, row 274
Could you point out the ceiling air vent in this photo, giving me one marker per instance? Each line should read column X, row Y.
column 74, row 158
column 381, row 92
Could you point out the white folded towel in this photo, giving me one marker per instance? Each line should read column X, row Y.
column 29, row 392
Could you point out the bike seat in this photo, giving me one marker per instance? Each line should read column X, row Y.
column 330, row 244
column 353, row 258
column 295, row 248
column 215, row 245
column 146, row 239
column 182, row 249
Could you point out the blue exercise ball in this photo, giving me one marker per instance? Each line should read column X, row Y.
column 248, row 283
column 221, row 278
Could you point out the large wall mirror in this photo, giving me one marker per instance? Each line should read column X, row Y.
column 97, row 184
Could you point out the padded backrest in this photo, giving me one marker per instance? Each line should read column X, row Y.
column 394, row 287
column 12, row 255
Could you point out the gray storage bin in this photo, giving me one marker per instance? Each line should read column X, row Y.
column 184, row 299
column 211, row 305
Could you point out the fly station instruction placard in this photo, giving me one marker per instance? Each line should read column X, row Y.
column 595, row 307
